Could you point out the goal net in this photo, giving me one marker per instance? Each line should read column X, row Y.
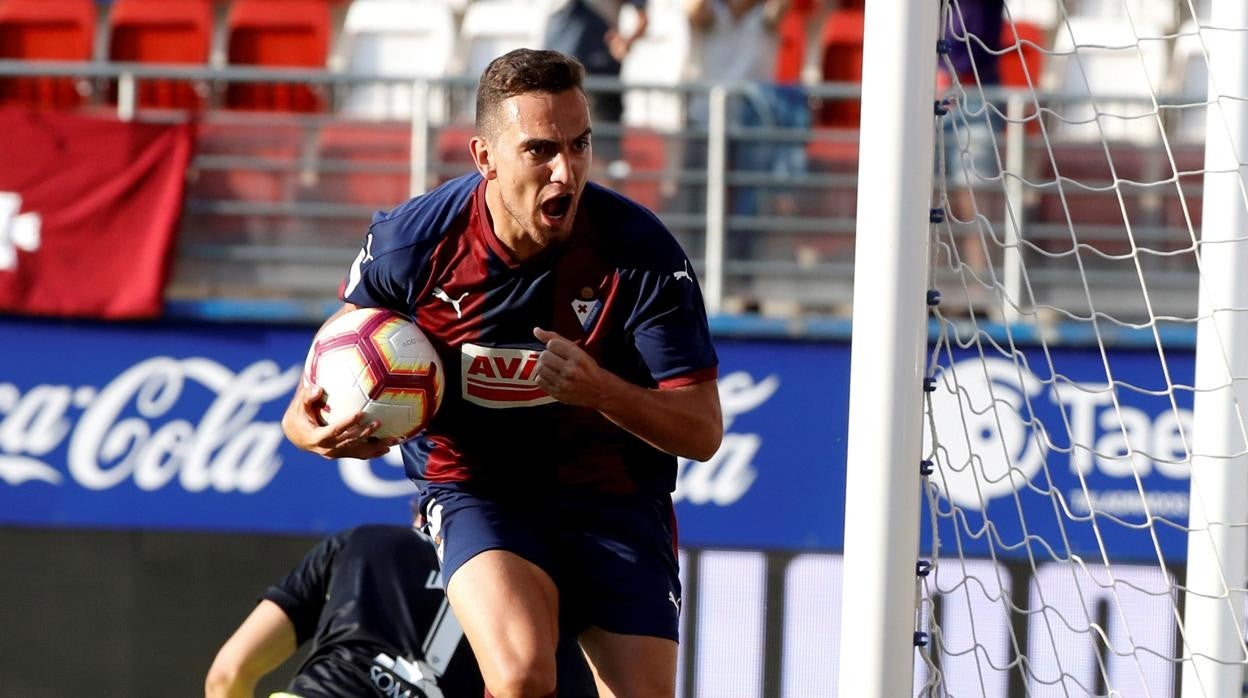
column 1084, row 448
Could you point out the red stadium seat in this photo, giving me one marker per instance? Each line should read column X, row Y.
column 162, row 31
column 369, row 164
column 277, row 148
column 1189, row 158
column 452, row 144
column 645, row 151
column 1017, row 54
column 46, row 30
column 791, row 37
column 275, row 34
column 1095, row 206
column 842, row 62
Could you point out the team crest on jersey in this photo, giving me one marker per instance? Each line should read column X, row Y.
column 586, row 308
column 500, row 377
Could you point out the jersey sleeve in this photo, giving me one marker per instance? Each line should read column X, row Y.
column 392, row 264
column 301, row 594
column 668, row 322
column 672, row 333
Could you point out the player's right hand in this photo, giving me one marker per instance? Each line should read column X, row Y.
column 352, row 437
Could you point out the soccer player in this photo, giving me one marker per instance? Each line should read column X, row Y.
column 369, row 600
column 579, row 367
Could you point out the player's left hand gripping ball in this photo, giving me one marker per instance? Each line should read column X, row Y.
column 377, row 362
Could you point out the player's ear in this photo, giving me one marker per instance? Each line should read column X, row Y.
column 482, row 157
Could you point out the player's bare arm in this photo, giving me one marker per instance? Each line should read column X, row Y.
column 264, row 640
column 684, row 421
column 348, row 438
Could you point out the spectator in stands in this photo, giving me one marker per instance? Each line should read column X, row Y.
column 589, row 30
column 736, row 41
column 973, row 32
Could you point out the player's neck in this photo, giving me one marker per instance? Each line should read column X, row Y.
column 507, row 229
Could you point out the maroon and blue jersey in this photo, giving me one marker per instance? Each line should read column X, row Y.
column 620, row 287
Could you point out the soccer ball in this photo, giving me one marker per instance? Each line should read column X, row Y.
column 379, row 362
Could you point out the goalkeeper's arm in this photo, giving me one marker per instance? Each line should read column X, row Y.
column 260, row 645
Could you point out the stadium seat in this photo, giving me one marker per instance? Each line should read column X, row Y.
column 652, row 61
column 645, row 150
column 1189, row 80
column 1099, row 211
column 451, row 145
column 277, row 34
column 1149, row 13
column 362, row 162
column 411, row 38
column 1027, row 49
column 1094, row 56
column 267, row 159
column 1041, row 13
column 163, row 31
column 791, row 36
column 46, row 30
column 1022, row 61
column 491, row 28
column 842, row 63
column 1189, row 159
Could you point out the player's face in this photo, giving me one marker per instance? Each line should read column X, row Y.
column 538, row 162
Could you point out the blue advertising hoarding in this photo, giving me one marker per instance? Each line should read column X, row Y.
column 177, row 426
column 1059, row 452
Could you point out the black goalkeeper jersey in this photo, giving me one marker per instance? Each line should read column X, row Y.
column 370, row 600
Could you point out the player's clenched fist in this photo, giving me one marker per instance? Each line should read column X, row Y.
column 566, row 372
column 349, row 438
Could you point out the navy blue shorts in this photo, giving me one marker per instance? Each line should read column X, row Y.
column 612, row 557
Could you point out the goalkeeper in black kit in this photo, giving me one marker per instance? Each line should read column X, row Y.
column 370, row 600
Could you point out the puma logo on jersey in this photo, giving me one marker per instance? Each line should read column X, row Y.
column 675, row 600
column 444, row 297
column 682, row 274
column 500, row 377
column 365, row 256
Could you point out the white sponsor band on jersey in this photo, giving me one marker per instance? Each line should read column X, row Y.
column 500, row 377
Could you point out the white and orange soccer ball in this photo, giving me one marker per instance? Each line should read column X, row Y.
column 379, row 362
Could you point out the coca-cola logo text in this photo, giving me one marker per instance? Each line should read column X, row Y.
column 138, row 428
column 115, row 433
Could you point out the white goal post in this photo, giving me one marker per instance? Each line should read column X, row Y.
column 886, row 357
column 1047, row 484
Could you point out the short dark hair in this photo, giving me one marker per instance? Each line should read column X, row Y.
column 521, row 71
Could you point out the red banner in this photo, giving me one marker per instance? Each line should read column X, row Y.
column 88, row 212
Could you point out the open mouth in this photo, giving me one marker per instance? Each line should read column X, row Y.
column 555, row 208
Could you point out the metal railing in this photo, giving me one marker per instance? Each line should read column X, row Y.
column 266, row 221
